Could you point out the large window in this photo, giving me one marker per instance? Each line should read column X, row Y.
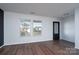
column 37, row 27
column 25, row 28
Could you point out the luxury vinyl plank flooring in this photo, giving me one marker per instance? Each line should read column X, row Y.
column 41, row 48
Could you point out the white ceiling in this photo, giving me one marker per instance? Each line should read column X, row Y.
column 43, row 9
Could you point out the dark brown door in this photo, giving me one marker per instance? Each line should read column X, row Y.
column 1, row 27
column 56, row 30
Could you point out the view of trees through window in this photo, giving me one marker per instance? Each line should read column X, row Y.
column 37, row 27
column 25, row 27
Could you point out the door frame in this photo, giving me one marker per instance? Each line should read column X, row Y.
column 58, row 29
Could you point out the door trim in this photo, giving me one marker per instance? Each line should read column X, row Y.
column 58, row 28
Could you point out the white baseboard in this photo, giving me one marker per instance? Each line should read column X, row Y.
column 1, row 46
column 26, row 42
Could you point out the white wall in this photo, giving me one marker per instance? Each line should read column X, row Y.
column 77, row 28
column 68, row 28
column 12, row 24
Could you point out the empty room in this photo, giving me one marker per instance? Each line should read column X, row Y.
column 39, row 28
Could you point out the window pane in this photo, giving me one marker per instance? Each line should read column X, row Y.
column 25, row 28
column 37, row 27
column 56, row 28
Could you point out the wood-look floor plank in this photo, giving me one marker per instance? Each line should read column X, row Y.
column 41, row 48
